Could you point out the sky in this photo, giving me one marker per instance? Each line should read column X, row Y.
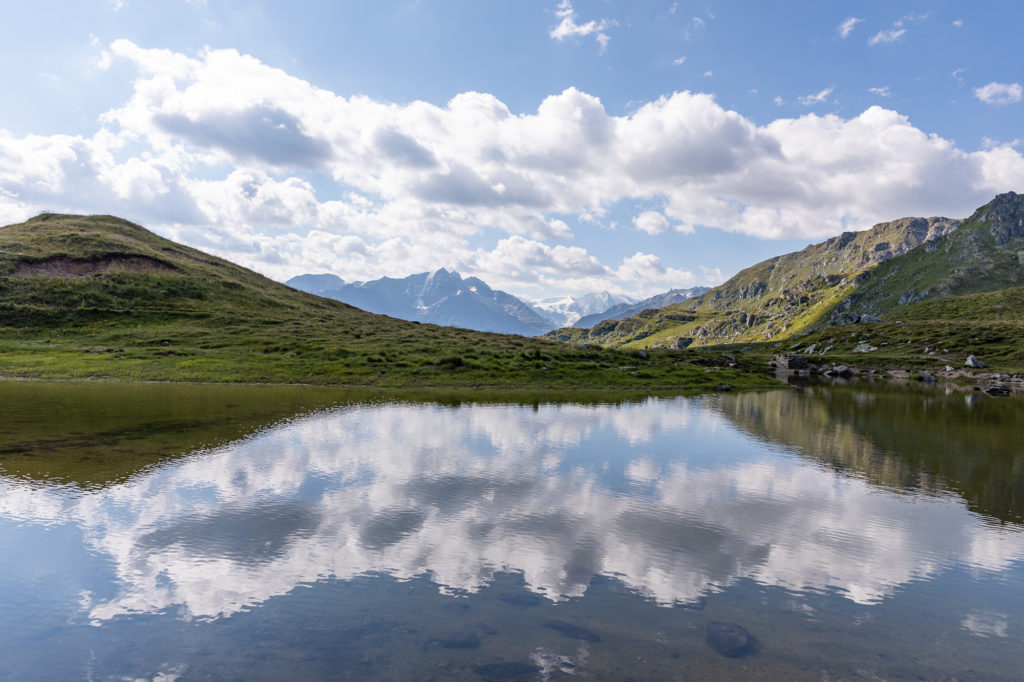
column 548, row 147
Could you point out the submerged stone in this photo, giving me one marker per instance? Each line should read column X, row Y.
column 574, row 631
column 730, row 639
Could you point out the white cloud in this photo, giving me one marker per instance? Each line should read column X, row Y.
column 679, row 60
column 708, row 74
column 989, row 143
column 713, row 276
column 693, row 25
column 958, row 23
column 958, row 77
column 778, row 101
column 568, row 28
column 818, row 97
column 846, row 27
column 519, row 257
column 999, row 93
column 153, row 530
column 883, row 91
column 651, row 222
column 888, row 36
column 232, row 156
column 898, row 31
column 646, row 267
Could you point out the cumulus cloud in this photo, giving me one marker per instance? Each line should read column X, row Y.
column 713, row 276
column 647, row 266
column 234, row 156
column 465, row 493
column 846, row 27
column 651, row 222
column 523, row 258
column 999, row 93
column 568, row 28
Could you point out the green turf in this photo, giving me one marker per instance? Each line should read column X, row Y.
column 101, row 298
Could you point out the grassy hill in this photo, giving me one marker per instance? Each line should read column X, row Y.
column 917, row 281
column 985, row 254
column 777, row 298
column 100, row 297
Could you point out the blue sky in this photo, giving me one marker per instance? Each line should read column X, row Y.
column 546, row 147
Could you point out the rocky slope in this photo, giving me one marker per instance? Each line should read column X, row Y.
column 985, row 254
column 776, row 298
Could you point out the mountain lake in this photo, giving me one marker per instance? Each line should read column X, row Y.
column 176, row 532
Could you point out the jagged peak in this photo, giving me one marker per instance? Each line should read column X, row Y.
column 1004, row 207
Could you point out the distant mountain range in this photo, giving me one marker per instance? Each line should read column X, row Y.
column 565, row 311
column 445, row 297
column 442, row 297
column 629, row 309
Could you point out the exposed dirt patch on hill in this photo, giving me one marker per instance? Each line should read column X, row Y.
column 70, row 268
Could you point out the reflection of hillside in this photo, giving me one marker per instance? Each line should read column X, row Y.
column 95, row 434
column 911, row 440
column 664, row 496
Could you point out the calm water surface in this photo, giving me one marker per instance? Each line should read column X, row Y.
column 161, row 532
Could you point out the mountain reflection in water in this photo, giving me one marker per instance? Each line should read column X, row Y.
column 676, row 499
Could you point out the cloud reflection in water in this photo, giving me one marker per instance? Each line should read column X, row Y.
column 667, row 496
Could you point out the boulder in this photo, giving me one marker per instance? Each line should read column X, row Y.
column 927, row 377
column 997, row 390
column 791, row 361
column 973, row 361
column 846, row 318
column 864, row 347
column 730, row 639
column 840, row 371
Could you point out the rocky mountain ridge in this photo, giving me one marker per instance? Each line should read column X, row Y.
column 986, row 254
column 854, row 277
column 442, row 297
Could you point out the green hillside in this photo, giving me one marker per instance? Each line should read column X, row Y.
column 894, row 272
column 776, row 298
column 985, row 254
column 100, row 297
